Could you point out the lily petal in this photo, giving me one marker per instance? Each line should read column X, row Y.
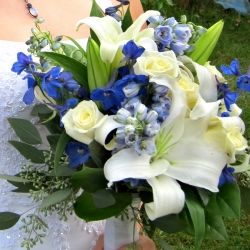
column 168, row 197
column 102, row 132
column 128, row 164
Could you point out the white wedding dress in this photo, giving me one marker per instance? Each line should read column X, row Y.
column 71, row 235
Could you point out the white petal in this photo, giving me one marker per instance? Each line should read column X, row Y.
column 244, row 166
column 134, row 29
column 102, row 132
column 208, row 83
column 204, row 109
column 230, row 122
column 148, row 44
column 168, row 197
column 128, row 164
column 196, row 162
column 106, row 28
column 108, row 51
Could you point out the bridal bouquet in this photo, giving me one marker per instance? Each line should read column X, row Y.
column 140, row 114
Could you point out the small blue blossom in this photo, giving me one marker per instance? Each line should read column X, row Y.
column 78, row 153
column 111, row 10
column 225, row 114
column 171, row 21
column 51, row 84
column 123, row 2
column 163, row 35
column 144, row 145
column 243, row 82
column 232, row 69
column 123, row 71
column 182, row 33
column 66, row 79
column 132, row 51
column 154, row 21
column 226, row 176
column 179, row 47
column 229, row 96
column 24, row 62
column 109, row 97
column 29, row 95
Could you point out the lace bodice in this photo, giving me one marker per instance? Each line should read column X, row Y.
column 71, row 235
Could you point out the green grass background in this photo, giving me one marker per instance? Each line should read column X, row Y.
column 234, row 43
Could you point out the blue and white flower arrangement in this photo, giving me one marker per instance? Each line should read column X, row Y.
column 139, row 113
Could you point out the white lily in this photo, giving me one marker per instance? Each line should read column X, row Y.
column 199, row 165
column 111, row 36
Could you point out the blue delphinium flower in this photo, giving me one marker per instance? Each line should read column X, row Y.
column 232, row 69
column 154, row 21
column 29, row 95
column 124, row 2
column 66, row 79
column 163, row 35
column 182, row 33
column 78, row 153
column 51, row 84
column 229, row 97
column 109, row 97
column 132, row 51
column 24, row 62
column 243, row 82
column 111, row 10
column 226, row 176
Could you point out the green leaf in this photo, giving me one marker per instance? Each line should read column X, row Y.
column 245, row 201
column 40, row 109
column 197, row 216
column 77, row 45
column 78, row 69
column 22, row 187
column 206, row 43
column 25, row 130
column 228, row 200
column 204, row 195
column 60, row 147
column 90, row 179
column 74, row 52
column 103, row 198
column 13, row 178
column 98, row 71
column 127, row 20
column 8, row 220
column 85, row 207
column 55, row 198
column 53, row 140
column 163, row 244
column 215, row 227
column 29, row 152
column 98, row 153
column 170, row 223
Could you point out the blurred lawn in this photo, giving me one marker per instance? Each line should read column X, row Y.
column 234, row 43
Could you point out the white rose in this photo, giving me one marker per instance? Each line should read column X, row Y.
column 154, row 63
column 80, row 123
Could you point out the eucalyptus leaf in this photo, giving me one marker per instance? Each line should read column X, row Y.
column 90, row 179
column 8, row 220
column 55, row 198
column 29, row 152
column 85, row 207
column 25, row 130
column 13, row 178
column 60, row 147
column 103, row 198
column 78, row 69
column 197, row 216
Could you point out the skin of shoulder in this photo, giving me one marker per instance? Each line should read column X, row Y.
column 16, row 22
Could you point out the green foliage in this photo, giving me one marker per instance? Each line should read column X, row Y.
column 8, row 219
column 25, row 130
column 29, row 152
column 89, row 179
column 86, row 209
column 60, row 147
column 103, row 198
column 98, row 71
column 78, row 69
column 127, row 20
column 204, row 47
column 55, row 198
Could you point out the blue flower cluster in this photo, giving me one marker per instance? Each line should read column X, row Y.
column 243, row 80
column 171, row 35
column 112, row 11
